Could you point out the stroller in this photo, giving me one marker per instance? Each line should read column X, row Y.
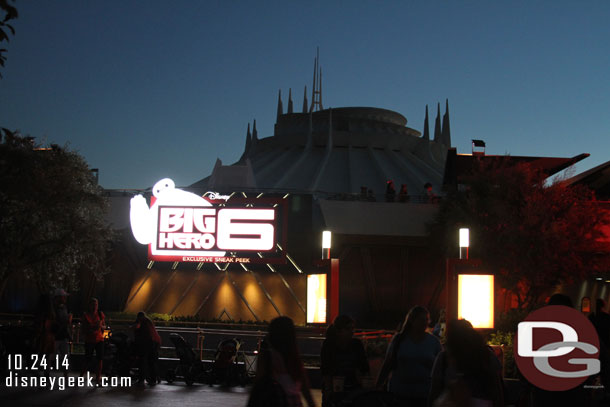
column 190, row 367
column 122, row 355
column 227, row 369
column 117, row 354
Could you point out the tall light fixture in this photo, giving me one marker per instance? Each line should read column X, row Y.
column 326, row 237
column 464, row 242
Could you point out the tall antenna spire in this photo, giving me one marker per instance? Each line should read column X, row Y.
column 280, row 107
column 320, row 90
column 305, row 100
column 426, row 126
column 316, row 102
column 313, row 88
column 289, row 100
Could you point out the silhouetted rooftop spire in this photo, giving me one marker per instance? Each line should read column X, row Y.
column 248, row 139
column 280, row 108
column 437, row 124
column 446, row 132
column 305, row 100
column 248, row 146
column 426, row 126
column 254, row 132
column 289, row 100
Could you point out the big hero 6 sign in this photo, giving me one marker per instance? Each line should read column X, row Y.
column 182, row 226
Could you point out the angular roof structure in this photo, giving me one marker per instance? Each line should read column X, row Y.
column 596, row 178
column 459, row 167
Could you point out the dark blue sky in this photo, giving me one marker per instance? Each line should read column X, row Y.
column 152, row 89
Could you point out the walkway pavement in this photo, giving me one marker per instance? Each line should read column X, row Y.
column 161, row 395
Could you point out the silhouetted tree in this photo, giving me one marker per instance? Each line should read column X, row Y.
column 534, row 234
column 53, row 214
column 7, row 13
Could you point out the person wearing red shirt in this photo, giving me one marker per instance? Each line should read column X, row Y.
column 93, row 324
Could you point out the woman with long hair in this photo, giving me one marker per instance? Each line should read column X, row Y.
column 280, row 376
column 467, row 371
column 410, row 358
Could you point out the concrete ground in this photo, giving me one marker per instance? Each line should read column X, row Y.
column 161, row 395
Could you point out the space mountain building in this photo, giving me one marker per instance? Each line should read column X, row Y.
column 335, row 165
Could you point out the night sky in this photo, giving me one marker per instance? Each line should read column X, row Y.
column 152, row 89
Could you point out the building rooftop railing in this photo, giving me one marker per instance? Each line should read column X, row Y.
column 417, row 199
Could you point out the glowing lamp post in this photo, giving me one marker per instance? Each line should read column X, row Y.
column 470, row 290
column 323, row 288
column 476, row 299
column 326, row 237
column 464, row 242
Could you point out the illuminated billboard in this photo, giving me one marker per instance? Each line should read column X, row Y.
column 185, row 227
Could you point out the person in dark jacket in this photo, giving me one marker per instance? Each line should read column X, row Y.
column 343, row 358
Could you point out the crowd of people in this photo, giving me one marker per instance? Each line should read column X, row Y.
column 427, row 196
column 417, row 369
column 54, row 333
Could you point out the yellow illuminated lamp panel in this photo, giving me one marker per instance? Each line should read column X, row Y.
column 316, row 298
column 476, row 299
